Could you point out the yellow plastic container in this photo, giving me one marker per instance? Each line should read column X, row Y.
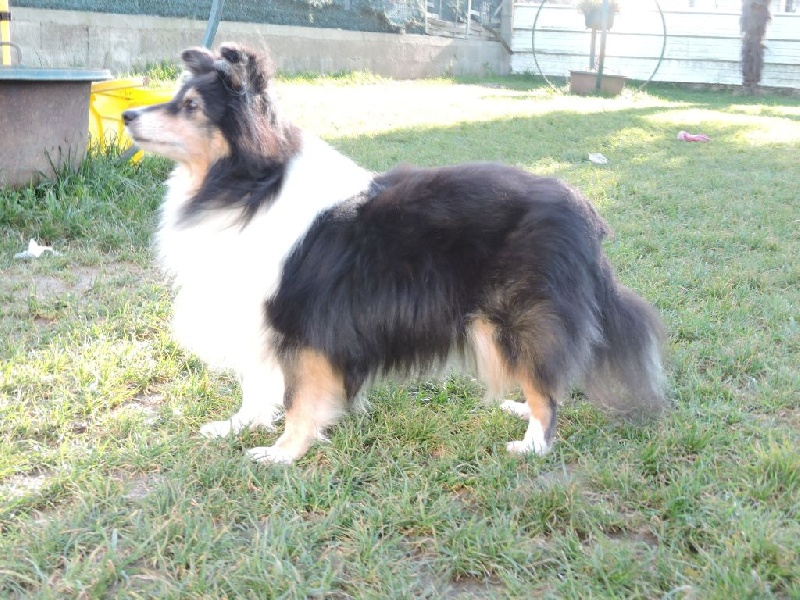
column 5, row 33
column 109, row 99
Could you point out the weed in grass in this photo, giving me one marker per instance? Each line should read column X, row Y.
column 160, row 73
column 106, row 202
column 105, row 489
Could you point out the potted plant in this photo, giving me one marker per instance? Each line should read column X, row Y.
column 584, row 82
column 593, row 13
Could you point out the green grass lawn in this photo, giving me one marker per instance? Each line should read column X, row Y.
column 106, row 490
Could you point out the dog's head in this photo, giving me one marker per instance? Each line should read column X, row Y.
column 240, row 70
column 223, row 108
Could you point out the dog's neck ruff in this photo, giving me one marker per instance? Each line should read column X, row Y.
column 224, row 268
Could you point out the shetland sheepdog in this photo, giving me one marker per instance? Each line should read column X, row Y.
column 313, row 278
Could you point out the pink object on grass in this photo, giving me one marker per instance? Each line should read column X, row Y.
column 692, row 137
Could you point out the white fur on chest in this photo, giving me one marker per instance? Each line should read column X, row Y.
column 223, row 272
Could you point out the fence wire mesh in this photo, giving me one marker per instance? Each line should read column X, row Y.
column 390, row 16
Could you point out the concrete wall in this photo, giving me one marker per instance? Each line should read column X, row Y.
column 702, row 46
column 118, row 42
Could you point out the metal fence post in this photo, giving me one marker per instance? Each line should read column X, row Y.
column 213, row 22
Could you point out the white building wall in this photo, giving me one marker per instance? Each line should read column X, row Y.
column 702, row 46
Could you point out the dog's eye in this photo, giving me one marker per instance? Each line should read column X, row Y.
column 190, row 105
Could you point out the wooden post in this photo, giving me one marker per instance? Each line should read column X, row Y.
column 507, row 21
column 603, row 35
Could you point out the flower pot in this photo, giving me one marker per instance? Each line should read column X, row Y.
column 585, row 82
column 44, row 121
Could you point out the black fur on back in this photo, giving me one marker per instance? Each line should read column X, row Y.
column 236, row 91
column 390, row 280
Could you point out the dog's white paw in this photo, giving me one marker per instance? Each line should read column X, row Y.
column 539, row 448
column 217, row 429
column 270, row 455
column 534, row 441
column 519, row 409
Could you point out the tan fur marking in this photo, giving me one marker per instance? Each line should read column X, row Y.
column 208, row 151
column 317, row 402
column 205, row 144
column 219, row 147
column 492, row 369
column 537, row 402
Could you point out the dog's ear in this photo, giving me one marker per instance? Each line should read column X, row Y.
column 243, row 69
column 198, row 60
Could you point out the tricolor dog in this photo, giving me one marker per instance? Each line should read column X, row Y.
column 313, row 278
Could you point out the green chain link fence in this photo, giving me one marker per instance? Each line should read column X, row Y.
column 393, row 16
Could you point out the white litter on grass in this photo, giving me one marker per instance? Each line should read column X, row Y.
column 598, row 158
column 35, row 251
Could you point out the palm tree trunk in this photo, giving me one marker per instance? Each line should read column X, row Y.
column 755, row 16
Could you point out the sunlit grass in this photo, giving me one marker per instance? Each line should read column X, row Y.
column 755, row 129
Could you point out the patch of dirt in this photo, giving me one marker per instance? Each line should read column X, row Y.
column 784, row 417
column 790, row 416
column 469, row 588
column 145, row 404
column 22, row 280
column 142, row 486
column 641, row 536
column 146, row 401
column 18, row 486
column 561, row 474
column 465, row 499
column 47, row 286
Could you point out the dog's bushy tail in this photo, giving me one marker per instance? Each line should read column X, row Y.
column 627, row 373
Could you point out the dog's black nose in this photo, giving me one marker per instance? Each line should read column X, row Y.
column 129, row 116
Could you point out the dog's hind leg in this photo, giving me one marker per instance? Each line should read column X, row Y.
column 314, row 400
column 262, row 398
column 495, row 368
column 518, row 409
column 541, row 414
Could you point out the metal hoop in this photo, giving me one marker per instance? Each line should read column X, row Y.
column 648, row 80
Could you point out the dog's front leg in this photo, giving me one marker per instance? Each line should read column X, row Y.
column 262, row 399
column 314, row 400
